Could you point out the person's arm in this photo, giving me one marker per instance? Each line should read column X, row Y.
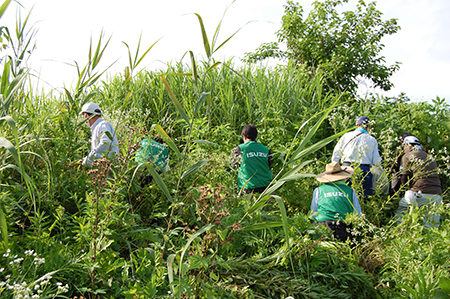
column 270, row 159
column 167, row 168
column 376, row 158
column 406, row 173
column 337, row 152
column 315, row 200
column 102, row 143
column 356, row 202
column 236, row 156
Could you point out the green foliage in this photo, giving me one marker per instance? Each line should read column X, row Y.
column 345, row 46
column 103, row 233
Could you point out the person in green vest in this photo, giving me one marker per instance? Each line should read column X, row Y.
column 154, row 152
column 334, row 200
column 254, row 173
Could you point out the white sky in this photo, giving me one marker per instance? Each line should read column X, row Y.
column 65, row 28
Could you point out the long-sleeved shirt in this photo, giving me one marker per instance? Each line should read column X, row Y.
column 357, row 146
column 421, row 172
column 101, row 144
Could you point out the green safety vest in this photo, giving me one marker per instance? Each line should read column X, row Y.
column 254, row 171
column 335, row 201
column 154, row 153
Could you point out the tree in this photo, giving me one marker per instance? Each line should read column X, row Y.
column 344, row 46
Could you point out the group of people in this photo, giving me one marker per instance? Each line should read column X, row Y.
column 335, row 198
column 354, row 155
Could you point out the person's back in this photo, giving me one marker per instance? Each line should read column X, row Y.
column 359, row 149
column 420, row 175
column 254, row 171
column 422, row 170
column 155, row 153
column 334, row 201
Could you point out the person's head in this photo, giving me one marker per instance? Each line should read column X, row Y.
column 363, row 121
column 411, row 141
column 90, row 109
column 334, row 172
column 249, row 132
column 404, row 135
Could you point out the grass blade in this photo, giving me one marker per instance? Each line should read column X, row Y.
column 4, row 7
column 175, row 101
column 194, row 168
column 167, row 139
column 192, row 238
column 204, row 36
column 264, row 225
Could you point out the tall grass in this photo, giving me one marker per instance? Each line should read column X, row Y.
column 189, row 232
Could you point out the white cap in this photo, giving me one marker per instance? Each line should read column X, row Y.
column 411, row 140
column 90, row 108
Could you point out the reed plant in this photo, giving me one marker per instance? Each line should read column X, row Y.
column 189, row 234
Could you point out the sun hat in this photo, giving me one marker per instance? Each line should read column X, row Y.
column 363, row 121
column 334, row 172
column 91, row 108
column 411, row 140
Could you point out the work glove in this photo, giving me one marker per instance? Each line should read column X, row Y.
column 410, row 197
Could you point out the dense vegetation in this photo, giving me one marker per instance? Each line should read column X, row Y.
column 68, row 231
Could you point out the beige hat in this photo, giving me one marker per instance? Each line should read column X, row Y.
column 334, row 172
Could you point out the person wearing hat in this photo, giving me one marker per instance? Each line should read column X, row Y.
column 101, row 131
column 420, row 175
column 334, row 199
column 359, row 148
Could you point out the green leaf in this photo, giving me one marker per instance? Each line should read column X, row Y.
column 4, row 7
column 166, row 138
column 259, row 203
column 4, row 225
column 204, row 36
column 284, row 218
column 440, row 295
column 203, row 97
column 213, row 66
column 11, row 148
column 170, row 260
column 176, row 102
column 192, row 238
column 205, row 142
column 445, row 284
column 11, row 123
column 156, row 177
column 264, row 225
column 194, row 73
column 194, row 168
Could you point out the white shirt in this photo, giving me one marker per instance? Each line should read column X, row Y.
column 357, row 146
column 100, row 142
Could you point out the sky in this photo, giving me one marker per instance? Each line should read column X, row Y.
column 65, row 28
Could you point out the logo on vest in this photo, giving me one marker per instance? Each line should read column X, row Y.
column 334, row 194
column 256, row 154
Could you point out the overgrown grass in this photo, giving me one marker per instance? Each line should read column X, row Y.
column 100, row 233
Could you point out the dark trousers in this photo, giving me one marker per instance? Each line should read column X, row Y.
column 255, row 190
column 366, row 177
column 340, row 230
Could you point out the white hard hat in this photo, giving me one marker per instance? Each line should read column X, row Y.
column 91, row 108
column 411, row 140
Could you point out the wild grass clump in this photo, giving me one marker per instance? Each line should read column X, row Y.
column 68, row 231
